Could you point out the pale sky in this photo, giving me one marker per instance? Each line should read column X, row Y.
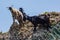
column 31, row 7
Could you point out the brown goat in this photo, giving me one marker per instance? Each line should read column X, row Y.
column 16, row 14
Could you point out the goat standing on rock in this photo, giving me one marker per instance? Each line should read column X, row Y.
column 37, row 20
column 16, row 14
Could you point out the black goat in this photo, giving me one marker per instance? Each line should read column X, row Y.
column 24, row 14
column 37, row 20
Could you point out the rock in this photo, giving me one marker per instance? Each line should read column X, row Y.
column 16, row 32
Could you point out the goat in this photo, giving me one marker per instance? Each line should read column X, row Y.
column 24, row 18
column 16, row 14
column 37, row 20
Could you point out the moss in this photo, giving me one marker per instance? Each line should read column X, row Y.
column 46, row 13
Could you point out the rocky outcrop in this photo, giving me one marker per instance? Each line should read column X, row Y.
column 26, row 32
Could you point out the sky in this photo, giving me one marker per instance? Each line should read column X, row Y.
column 31, row 8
